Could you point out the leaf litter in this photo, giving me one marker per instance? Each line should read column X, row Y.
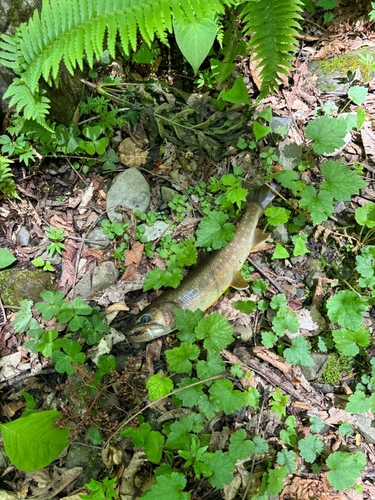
column 84, row 207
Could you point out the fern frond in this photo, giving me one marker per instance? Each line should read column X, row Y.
column 71, row 30
column 7, row 185
column 34, row 106
column 273, row 25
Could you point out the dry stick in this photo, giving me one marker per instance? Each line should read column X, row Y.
column 76, row 171
column 24, row 376
column 93, row 224
column 251, row 473
column 150, row 405
column 267, row 276
column 3, row 313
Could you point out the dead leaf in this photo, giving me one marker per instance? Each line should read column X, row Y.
column 130, row 154
column 368, row 140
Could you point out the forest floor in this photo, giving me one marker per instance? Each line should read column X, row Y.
column 55, row 194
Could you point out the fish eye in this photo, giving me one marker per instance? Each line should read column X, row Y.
column 145, row 318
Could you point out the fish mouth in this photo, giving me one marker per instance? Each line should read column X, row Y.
column 145, row 333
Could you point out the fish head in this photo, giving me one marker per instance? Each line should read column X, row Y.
column 154, row 321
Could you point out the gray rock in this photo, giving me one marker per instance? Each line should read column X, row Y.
column 290, row 154
column 97, row 239
column 281, row 234
column 154, row 232
column 329, row 70
column 167, row 193
column 83, row 289
column 104, row 276
column 23, row 237
column 280, row 126
column 311, row 372
column 80, row 455
column 364, row 425
column 129, row 188
column 297, row 260
column 55, row 260
column 22, row 283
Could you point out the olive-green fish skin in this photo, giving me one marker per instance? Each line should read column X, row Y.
column 208, row 281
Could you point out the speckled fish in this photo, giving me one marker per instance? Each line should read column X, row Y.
column 209, row 280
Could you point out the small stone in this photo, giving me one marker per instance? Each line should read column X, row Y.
column 364, row 424
column 280, row 233
column 97, row 239
column 104, row 276
column 167, row 193
column 290, row 155
column 129, row 188
column 83, row 288
column 311, row 372
column 55, row 259
column 154, row 232
column 297, row 260
column 23, row 237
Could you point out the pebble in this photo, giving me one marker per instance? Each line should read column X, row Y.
column 23, row 237
column 290, row 155
column 167, row 193
column 97, row 239
column 154, row 232
column 129, row 188
column 280, row 233
column 104, row 275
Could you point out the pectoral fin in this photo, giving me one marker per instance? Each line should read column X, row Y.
column 260, row 239
column 239, row 282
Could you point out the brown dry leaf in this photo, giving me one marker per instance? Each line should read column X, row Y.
column 331, row 49
column 131, row 480
column 118, row 306
column 112, row 455
column 254, row 71
column 272, row 359
column 132, row 260
column 130, row 154
column 12, row 408
column 68, row 265
column 310, row 489
column 368, row 140
column 51, row 482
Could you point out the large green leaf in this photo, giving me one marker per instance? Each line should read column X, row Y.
column 195, row 39
column 6, row 258
column 31, row 443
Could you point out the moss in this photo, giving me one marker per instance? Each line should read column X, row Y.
column 348, row 62
column 19, row 284
column 337, row 366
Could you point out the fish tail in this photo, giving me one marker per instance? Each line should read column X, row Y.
column 263, row 195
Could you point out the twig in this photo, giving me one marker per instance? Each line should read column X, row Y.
column 267, row 276
column 150, row 405
column 3, row 313
column 76, row 172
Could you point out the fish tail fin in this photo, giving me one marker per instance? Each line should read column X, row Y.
column 263, row 195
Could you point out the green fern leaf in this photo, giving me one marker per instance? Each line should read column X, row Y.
column 7, row 186
column 33, row 105
column 273, row 24
column 69, row 30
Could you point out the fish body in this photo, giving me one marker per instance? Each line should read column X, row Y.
column 209, row 280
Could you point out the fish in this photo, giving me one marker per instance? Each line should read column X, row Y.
column 202, row 287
